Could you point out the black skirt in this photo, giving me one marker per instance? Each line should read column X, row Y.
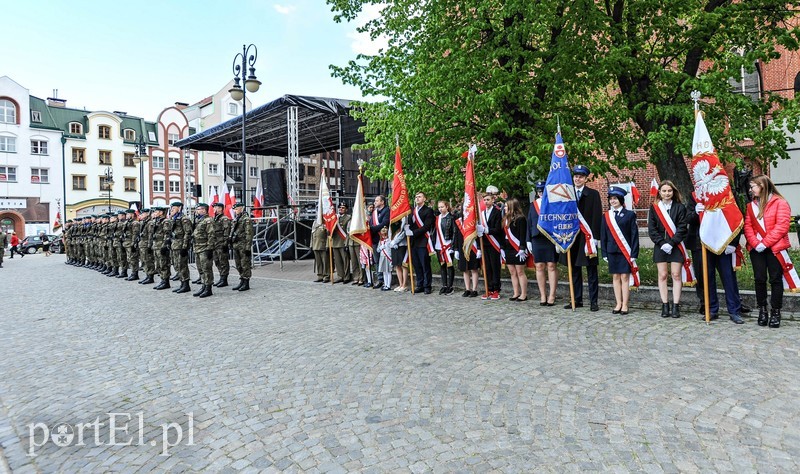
column 474, row 263
column 617, row 263
column 543, row 250
column 398, row 256
column 659, row 256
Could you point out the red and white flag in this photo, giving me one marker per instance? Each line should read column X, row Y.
column 258, row 200
column 57, row 223
column 213, row 199
column 635, row 194
column 226, row 199
column 469, row 211
column 400, row 205
column 654, row 188
column 232, row 199
column 359, row 230
column 722, row 220
column 326, row 212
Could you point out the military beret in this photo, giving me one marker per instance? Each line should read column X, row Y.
column 176, row 203
column 145, row 209
column 239, row 204
column 131, row 211
column 202, row 204
column 93, row 216
column 219, row 204
column 69, row 221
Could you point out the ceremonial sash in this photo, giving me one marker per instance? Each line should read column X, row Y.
column 386, row 250
column 791, row 281
column 590, row 248
column 737, row 258
column 492, row 240
column 460, row 225
column 442, row 244
column 340, row 231
column 374, row 217
column 537, row 204
column 687, row 272
column 419, row 223
column 624, row 246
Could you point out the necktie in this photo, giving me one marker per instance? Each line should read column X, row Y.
column 579, row 194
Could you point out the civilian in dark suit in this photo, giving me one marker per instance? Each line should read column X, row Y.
column 490, row 230
column 420, row 225
column 618, row 265
column 591, row 208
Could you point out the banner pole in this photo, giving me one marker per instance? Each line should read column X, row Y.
column 705, row 286
column 330, row 259
column 571, row 286
column 410, row 264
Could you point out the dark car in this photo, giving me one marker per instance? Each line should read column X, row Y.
column 33, row 243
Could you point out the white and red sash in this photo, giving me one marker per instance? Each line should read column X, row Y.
column 420, row 225
column 537, row 203
column 443, row 245
column 590, row 248
column 386, row 249
column 492, row 240
column 791, row 281
column 624, row 246
column 460, row 225
column 687, row 272
column 340, row 231
column 737, row 258
column 374, row 217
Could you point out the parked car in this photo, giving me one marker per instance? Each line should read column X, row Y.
column 33, row 243
column 57, row 245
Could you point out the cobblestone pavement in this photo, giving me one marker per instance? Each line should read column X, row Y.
column 296, row 376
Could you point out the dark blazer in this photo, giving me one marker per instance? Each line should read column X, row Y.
column 693, row 226
column 375, row 228
column 428, row 220
column 533, row 222
column 657, row 231
column 520, row 230
column 627, row 224
column 495, row 227
column 591, row 208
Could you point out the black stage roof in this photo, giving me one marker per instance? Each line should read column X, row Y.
column 318, row 122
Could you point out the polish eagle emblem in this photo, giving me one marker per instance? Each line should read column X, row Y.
column 709, row 182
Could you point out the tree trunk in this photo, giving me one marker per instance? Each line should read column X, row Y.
column 673, row 167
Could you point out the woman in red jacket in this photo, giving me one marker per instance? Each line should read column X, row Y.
column 766, row 227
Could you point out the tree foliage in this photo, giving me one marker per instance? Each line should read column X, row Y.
column 617, row 74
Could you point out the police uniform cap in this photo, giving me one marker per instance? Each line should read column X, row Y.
column 580, row 169
column 539, row 185
column 617, row 191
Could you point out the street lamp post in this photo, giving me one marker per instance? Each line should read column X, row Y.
column 251, row 84
column 140, row 159
column 109, row 180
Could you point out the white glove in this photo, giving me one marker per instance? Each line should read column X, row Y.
column 530, row 248
column 729, row 249
column 699, row 208
column 760, row 247
column 666, row 248
column 502, row 254
column 457, row 255
column 478, row 254
column 522, row 255
column 605, row 259
column 394, row 245
column 481, row 230
column 633, row 261
column 558, row 250
column 408, row 230
column 596, row 243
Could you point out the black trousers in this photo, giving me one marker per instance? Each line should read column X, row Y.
column 422, row 268
column 492, row 258
column 577, row 283
column 763, row 263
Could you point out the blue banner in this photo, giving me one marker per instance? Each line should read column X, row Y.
column 558, row 213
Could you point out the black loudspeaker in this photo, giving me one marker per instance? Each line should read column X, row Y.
column 198, row 190
column 274, row 180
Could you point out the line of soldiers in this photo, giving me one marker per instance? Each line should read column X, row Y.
column 116, row 243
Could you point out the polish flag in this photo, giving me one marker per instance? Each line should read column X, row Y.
column 232, row 199
column 654, row 188
column 635, row 194
column 226, row 199
column 214, row 199
column 258, row 200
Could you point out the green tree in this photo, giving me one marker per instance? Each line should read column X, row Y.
column 617, row 74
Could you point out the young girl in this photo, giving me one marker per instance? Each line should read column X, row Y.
column 619, row 239
column 385, row 260
column 667, row 226
column 515, row 226
column 543, row 251
column 444, row 229
column 766, row 228
column 469, row 268
column 399, row 256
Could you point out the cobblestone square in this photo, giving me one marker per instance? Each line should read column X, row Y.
column 307, row 377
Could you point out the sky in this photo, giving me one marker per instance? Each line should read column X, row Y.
column 142, row 57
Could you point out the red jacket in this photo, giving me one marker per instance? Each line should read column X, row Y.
column 14, row 240
column 777, row 217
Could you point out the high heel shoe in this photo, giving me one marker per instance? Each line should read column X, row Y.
column 513, row 298
column 623, row 312
column 543, row 303
column 616, row 311
column 522, row 299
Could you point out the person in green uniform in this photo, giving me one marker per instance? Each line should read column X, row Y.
column 181, row 241
column 204, row 243
column 222, row 229
column 144, row 242
column 242, row 243
column 162, row 230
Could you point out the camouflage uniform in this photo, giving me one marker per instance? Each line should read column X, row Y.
column 204, row 243
column 222, row 229
column 123, row 234
column 242, row 243
column 145, row 247
column 131, row 244
column 162, row 229
column 181, row 240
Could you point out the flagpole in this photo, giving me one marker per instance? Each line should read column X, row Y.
column 410, row 263
column 569, row 272
column 695, row 95
column 480, row 240
column 330, row 259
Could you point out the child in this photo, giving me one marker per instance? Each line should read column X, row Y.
column 385, row 260
column 619, row 239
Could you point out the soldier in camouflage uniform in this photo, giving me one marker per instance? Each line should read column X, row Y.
column 242, row 243
column 131, row 245
column 162, row 230
column 222, row 229
column 204, row 238
column 144, row 242
column 105, row 242
column 181, row 241
column 123, row 234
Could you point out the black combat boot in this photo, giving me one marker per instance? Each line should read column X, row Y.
column 114, row 272
column 763, row 315
column 134, row 276
column 236, row 288
column 775, row 318
column 176, row 277
column 200, row 291
column 664, row 310
column 162, row 286
column 123, row 273
column 223, row 282
column 148, row 280
column 245, row 284
column 197, row 281
column 676, row 310
column 106, row 270
column 184, row 288
column 207, row 292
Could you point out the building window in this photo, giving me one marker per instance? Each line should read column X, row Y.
column 312, row 187
column 105, row 185
column 189, row 164
column 214, row 191
column 253, row 172
column 174, row 163
column 233, row 109
column 158, row 186
column 129, row 159
column 39, row 175
column 105, row 157
column 174, row 186
column 8, row 112
column 213, row 169
column 8, row 144
column 252, row 191
column 158, row 162
column 8, row 173
column 36, row 116
column 104, row 131
column 130, row 184
column 238, row 194
column 172, row 138
column 79, row 183
column 79, row 155
column 311, row 170
column 38, row 147
column 75, row 128
column 272, row 165
column 130, row 135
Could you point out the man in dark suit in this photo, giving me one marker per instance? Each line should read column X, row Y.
column 591, row 208
column 419, row 228
column 378, row 219
column 490, row 230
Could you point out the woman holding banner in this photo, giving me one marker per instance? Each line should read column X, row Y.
column 543, row 251
column 515, row 227
column 766, row 227
column 619, row 239
column 667, row 226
